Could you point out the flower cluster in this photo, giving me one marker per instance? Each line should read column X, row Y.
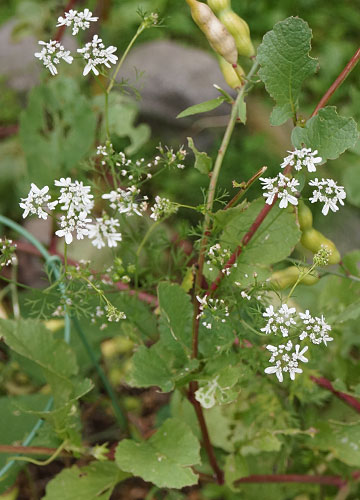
column 162, row 208
column 78, row 20
column 217, row 257
column 37, row 201
column 7, row 250
column 104, row 229
column 287, row 322
column 124, row 201
column 216, row 309
column 51, row 55
column 302, row 158
column 328, row 192
column 95, row 53
column 282, row 187
column 170, row 158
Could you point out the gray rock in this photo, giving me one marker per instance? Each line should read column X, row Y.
column 174, row 78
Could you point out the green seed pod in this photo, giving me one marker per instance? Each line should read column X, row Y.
column 231, row 77
column 312, row 239
column 219, row 5
column 239, row 29
column 218, row 36
column 304, row 216
column 288, row 277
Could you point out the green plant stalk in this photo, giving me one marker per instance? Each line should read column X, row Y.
column 301, row 276
column 42, row 462
column 14, row 292
column 147, row 234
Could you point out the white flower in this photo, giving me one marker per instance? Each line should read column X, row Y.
column 282, row 187
column 329, row 193
column 302, row 158
column 36, row 201
column 285, row 360
column 74, row 196
column 95, row 54
column 162, row 208
column 78, row 19
column 280, row 321
column 104, row 232
column 315, row 328
column 123, row 200
column 51, row 55
column 78, row 223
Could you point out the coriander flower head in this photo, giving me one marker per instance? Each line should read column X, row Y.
column 37, row 201
column 95, row 54
column 328, row 192
column 300, row 158
column 104, row 232
column 51, row 55
column 282, row 187
column 78, row 20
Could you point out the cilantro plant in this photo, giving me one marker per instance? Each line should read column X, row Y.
column 256, row 375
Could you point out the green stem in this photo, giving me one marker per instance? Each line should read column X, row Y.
column 65, row 257
column 300, row 278
column 42, row 462
column 147, row 234
column 107, row 128
column 14, row 291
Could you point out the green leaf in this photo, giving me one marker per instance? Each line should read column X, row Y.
column 272, row 242
column 327, row 132
column 203, row 162
column 57, row 129
column 341, row 439
column 176, row 313
column 122, row 121
column 31, row 339
column 202, row 107
column 284, row 65
column 93, row 482
column 236, row 467
column 351, row 311
column 165, row 459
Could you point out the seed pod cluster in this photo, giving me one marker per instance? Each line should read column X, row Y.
column 238, row 28
column 216, row 33
column 232, row 78
column 311, row 238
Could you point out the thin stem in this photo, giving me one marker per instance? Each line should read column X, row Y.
column 339, row 80
column 43, row 462
column 120, row 63
column 301, row 276
column 107, row 128
column 292, row 478
column 14, row 291
column 147, row 234
column 244, row 187
column 65, row 258
column 326, row 384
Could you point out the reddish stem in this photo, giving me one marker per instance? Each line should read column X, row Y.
column 193, row 387
column 7, row 130
column 326, row 384
column 29, row 450
column 339, row 80
column 292, row 478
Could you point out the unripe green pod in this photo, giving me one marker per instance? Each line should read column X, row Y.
column 305, row 216
column 218, row 36
column 230, row 75
column 312, row 239
column 219, row 5
column 239, row 29
column 288, row 277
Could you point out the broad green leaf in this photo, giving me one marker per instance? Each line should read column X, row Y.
column 236, row 467
column 352, row 311
column 272, row 242
column 213, row 341
column 328, row 132
column 284, row 65
column 165, row 459
column 341, row 439
column 159, row 366
column 92, row 482
column 122, row 121
column 176, row 313
column 202, row 107
column 11, row 410
column 56, row 129
column 31, row 339
column 203, row 162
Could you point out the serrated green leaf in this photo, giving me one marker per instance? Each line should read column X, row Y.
column 58, row 123
column 273, row 241
column 176, row 313
column 284, row 65
column 31, row 339
column 203, row 162
column 343, row 440
column 165, row 459
column 92, row 482
column 202, row 107
column 328, row 132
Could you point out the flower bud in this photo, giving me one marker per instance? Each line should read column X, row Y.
column 232, row 78
column 313, row 240
column 219, row 5
column 239, row 29
column 218, row 36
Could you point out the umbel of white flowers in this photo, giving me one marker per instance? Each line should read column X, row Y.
column 94, row 53
column 285, row 189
